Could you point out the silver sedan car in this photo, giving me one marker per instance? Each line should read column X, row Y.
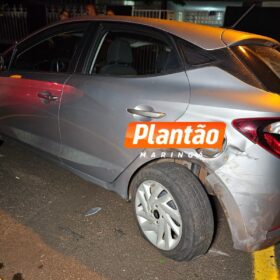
column 71, row 89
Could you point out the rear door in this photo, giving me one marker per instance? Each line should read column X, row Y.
column 130, row 69
column 31, row 90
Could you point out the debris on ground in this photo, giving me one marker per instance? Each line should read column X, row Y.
column 218, row 252
column 92, row 211
column 119, row 232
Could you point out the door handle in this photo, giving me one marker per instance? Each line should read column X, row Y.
column 47, row 96
column 146, row 114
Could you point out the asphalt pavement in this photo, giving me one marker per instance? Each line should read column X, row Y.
column 45, row 233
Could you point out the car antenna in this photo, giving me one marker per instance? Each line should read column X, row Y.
column 244, row 15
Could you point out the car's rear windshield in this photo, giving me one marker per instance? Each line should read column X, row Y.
column 263, row 62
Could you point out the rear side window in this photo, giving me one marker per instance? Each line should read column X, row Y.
column 232, row 61
column 193, row 55
column 52, row 54
column 264, row 62
column 123, row 53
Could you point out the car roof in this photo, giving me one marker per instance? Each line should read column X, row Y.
column 206, row 37
column 203, row 36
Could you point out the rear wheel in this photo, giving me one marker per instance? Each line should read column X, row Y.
column 172, row 210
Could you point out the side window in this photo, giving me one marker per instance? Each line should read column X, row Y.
column 196, row 57
column 52, row 54
column 193, row 55
column 122, row 53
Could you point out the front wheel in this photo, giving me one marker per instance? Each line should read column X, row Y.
column 172, row 210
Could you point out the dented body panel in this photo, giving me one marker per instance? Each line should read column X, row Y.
column 245, row 177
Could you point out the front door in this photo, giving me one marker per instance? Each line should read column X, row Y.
column 31, row 90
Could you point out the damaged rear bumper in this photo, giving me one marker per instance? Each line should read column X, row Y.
column 248, row 188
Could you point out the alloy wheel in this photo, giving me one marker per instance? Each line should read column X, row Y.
column 158, row 215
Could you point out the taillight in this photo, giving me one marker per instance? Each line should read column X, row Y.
column 262, row 131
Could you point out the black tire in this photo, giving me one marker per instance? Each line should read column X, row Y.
column 193, row 203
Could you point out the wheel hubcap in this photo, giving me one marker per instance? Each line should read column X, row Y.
column 158, row 215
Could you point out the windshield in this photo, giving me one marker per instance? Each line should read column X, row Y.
column 264, row 63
